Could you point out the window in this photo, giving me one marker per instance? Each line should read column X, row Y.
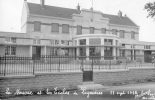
column 114, row 31
column 121, row 34
column 82, row 50
column 56, row 42
column 122, row 53
column 108, row 41
column 64, row 42
column 94, row 41
column 123, row 45
column 37, row 26
column 83, row 42
column 65, row 28
column 79, row 30
column 133, row 46
column 107, row 53
column 10, row 50
column 10, row 39
column 147, row 47
column 91, row 30
column 13, row 40
column 51, row 42
column 55, row 27
column 116, row 42
column 95, row 51
column 36, row 41
column 103, row 30
column 132, row 35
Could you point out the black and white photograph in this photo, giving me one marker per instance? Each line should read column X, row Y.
column 77, row 49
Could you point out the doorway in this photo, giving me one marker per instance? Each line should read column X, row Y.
column 36, row 52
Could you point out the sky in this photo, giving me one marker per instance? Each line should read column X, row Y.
column 11, row 10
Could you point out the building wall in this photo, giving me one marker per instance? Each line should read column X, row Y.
column 123, row 76
column 42, row 82
column 22, row 51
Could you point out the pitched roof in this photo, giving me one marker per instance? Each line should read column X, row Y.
column 115, row 19
column 67, row 13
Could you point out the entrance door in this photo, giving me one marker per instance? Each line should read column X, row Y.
column 87, row 73
column 36, row 53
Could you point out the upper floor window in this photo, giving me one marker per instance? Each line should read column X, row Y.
column 36, row 41
column 147, row 47
column 82, row 42
column 103, row 30
column 91, row 30
column 37, row 26
column 114, row 31
column 65, row 28
column 121, row 34
column 108, row 41
column 79, row 30
column 10, row 39
column 132, row 35
column 55, row 27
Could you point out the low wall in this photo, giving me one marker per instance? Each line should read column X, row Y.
column 71, row 79
column 41, row 82
column 123, row 76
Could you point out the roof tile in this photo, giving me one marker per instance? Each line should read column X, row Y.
column 67, row 13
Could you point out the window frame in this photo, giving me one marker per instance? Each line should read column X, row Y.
column 10, row 50
column 133, row 35
column 114, row 31
column 64, row 30
column 37, row 28
column 55, row 30
column 91, row 30
column 103, row 30
column 122, row 34
column 79, row 32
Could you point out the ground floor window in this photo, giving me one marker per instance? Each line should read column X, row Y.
column 122, row 53
column 10, row 50
column 95, row 51
column 108, row 52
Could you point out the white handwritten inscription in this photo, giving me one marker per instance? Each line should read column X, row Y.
column 88, row 93
column 144, row 95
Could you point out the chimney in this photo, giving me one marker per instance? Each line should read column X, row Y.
column 42, row 3
column 78, row 7
column 120, row 13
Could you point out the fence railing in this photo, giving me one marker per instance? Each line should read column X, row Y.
column 30, row 66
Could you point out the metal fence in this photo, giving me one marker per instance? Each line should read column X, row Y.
column 30, row 66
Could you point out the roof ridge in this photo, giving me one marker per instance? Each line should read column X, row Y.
column 51, row 6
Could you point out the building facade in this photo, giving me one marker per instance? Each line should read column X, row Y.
column 49, row 30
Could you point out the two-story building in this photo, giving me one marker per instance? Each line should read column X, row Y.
column 50, row 30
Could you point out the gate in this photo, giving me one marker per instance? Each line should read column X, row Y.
column 87, row 68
